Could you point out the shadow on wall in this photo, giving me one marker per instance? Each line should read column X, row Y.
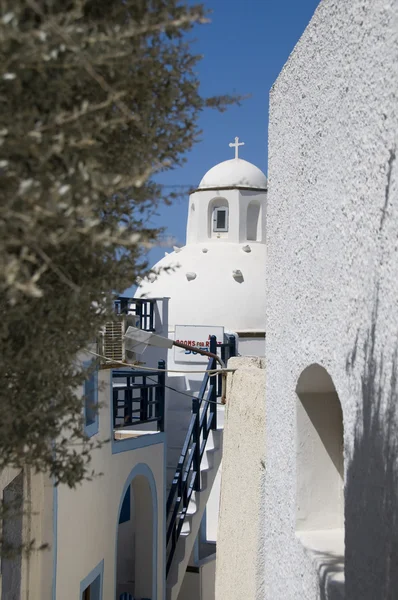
column 372, row 475
column 330, row 567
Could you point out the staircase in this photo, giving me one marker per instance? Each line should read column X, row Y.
column 193, row 479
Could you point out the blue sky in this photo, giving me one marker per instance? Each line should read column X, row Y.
column 244, row 47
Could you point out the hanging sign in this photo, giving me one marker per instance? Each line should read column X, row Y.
column 195, row 336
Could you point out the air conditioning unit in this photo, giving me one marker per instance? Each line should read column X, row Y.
column 112, row 341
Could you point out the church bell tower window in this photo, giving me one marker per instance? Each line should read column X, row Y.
column 220, row 219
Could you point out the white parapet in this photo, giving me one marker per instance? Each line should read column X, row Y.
column 243, row 457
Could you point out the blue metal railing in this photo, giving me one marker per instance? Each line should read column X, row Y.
column 187, row 476
column 144, row 308
column 228, row 348
column 138, row 397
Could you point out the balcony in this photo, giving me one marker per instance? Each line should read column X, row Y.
column 138, row 402
column 152, row 313
column 138, row 394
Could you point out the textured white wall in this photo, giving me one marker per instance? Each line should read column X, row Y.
column 243, row 459
column 332, row 297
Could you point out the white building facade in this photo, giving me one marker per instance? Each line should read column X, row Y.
column 213, row 284
column 106, row 537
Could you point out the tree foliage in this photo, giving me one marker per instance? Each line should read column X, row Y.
column 95, row 97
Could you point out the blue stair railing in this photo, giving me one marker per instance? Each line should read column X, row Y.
column 187, row 476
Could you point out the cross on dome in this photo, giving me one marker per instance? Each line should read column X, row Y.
column 236, row 145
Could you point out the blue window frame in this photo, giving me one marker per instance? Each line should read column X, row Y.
column 125, row 511
column 91, row 586
column 90, row 392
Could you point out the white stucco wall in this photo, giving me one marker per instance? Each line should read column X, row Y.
column 332, row 289
column 200, row 585
column 87, row 518
column 240, row 503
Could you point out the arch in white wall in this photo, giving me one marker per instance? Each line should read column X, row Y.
column 319, row 452
column 136, row 540
column 218, row 217
column 253, row 221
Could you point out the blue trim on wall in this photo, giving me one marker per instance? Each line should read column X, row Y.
column 90, row 387
column 55, row 541
column 92, row 576
column 125, row 513
column 132, row 443
column 143, row 469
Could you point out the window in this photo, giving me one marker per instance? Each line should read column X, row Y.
column 90, row 392
column 220, row 219
column 217, row 217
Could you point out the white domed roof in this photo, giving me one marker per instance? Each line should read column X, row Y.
column 234, row 173
column 212, row 284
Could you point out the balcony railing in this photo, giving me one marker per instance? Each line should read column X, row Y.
column 138, row 398
column 144, row 308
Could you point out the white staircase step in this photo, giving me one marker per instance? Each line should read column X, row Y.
column 210, row 464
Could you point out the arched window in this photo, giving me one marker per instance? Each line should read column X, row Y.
column 319, row 453
column 218, row 217
column 253, row 222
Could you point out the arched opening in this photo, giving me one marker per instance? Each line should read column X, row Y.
column 218, row 218
column 319, row 453
column 253, row 221
column 136, row 546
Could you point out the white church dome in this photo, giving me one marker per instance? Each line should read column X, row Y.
column 218, row 277
column 234, row 173
column 212, row 284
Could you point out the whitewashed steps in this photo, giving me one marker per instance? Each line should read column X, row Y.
column 209, row 467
